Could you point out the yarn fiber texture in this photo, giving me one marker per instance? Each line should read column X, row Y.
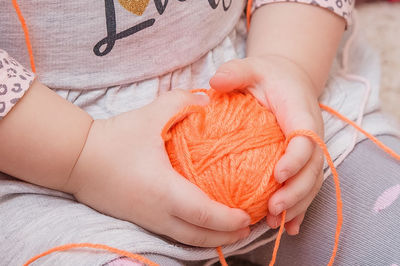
column 228, row 149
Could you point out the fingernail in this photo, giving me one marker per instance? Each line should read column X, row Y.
column 296, row 230
column 276, row 223
column 273, row 222
column 278, row 209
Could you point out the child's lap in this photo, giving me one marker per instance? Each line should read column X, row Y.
column 34, row 220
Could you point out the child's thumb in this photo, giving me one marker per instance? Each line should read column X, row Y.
column 174, row 101
column 234, row 74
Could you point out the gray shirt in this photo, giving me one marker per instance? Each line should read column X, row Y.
column 93, row 44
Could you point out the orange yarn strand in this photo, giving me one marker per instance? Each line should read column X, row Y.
column 26, row 33
column 372, row 138
column 221, row 257
column 339, row 204
column 94, row 246
column 248, row 12
column 278, row 239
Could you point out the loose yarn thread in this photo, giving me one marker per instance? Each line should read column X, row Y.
column 26, row 34
column 181, row 117
column 93, row 246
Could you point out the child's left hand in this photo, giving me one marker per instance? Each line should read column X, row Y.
column 286, row 89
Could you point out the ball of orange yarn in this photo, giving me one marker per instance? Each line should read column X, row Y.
column 229, row 149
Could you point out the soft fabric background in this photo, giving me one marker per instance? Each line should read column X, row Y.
column 380, row 22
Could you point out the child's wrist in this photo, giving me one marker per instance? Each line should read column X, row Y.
column 85, row 164
column 41, row 137
column 71, row 185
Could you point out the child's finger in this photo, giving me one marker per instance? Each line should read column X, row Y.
column 170, row 103
column 297, row 154
column 193, row 235
column 297, row 209
column 192, row 205
column 292, row 212
column 293, row 227
column 235, row 74
column 298, row 187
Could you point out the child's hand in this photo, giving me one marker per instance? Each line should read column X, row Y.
column 124, row 171
column 286, row 89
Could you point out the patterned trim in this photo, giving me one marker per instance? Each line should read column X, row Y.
column 15, row 80
column 343, row 8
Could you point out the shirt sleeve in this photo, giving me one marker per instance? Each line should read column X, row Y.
column 15, row 80
column 342, row 8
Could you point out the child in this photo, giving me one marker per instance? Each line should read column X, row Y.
column 94, row 161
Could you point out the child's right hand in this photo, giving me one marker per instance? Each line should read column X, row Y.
column 124, row 171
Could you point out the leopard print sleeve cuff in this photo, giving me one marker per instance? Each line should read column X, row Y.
column 15, row 80
column 343, row 8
